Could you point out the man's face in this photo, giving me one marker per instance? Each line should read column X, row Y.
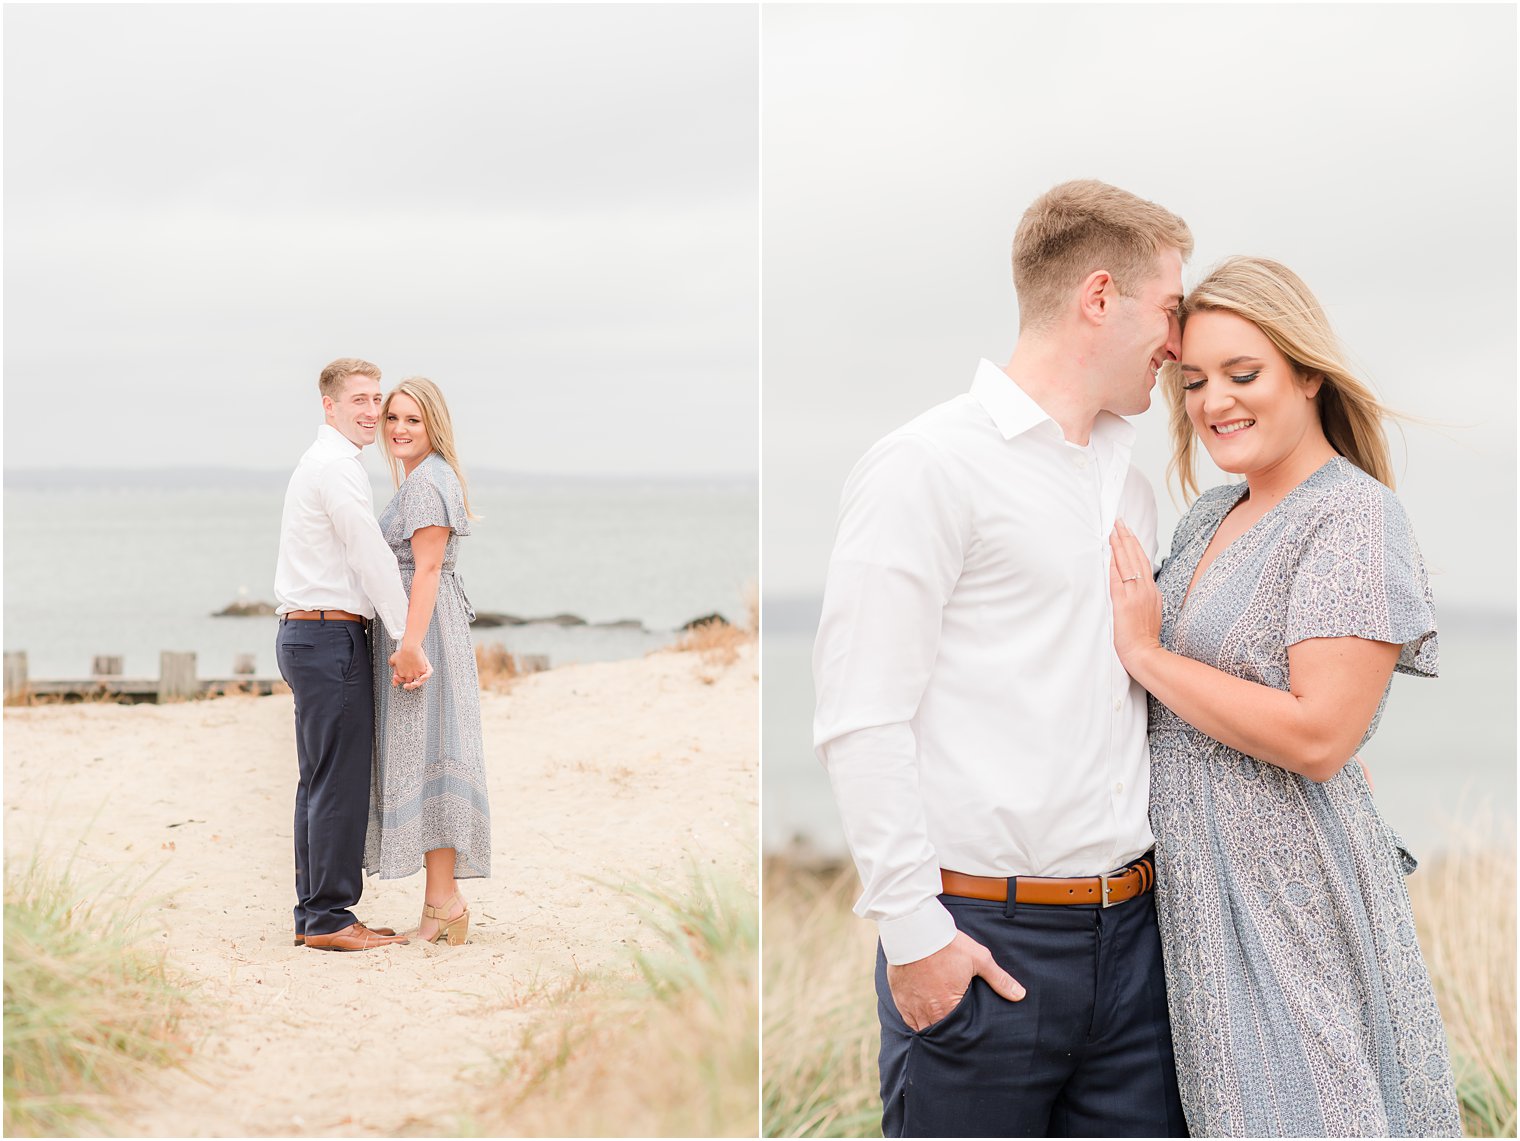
column 356, row 412
column 1146, row 333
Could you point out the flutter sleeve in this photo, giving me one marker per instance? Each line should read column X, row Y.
column 1360, row 575
column 436, row 501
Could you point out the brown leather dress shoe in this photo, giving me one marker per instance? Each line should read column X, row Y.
column 355, row 937
column 301, row 939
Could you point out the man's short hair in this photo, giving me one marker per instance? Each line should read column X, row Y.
column 330, row 383
column 1077, row 228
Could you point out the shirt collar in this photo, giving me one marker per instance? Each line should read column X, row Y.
column 330, row 437
column 1012, row 409
column 1015, row 412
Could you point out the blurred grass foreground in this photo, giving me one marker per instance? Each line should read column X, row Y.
column 1464, row 910
column 87, row 1010
column 821, row 1034
column 668, row 1047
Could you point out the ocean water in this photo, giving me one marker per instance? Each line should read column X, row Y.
column 1442, row 761
column 136, row 563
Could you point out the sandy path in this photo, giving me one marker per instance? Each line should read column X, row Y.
column 619, row 771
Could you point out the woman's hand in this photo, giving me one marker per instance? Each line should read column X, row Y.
column 1137, row 602
column 409, row 667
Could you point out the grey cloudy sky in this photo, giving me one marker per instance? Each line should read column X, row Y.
column 1369, row 147
column 550, row 210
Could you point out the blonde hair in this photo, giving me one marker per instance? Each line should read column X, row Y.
column 1274, row 299
column 330, row 383
column 1079, row 227
column 435, row 422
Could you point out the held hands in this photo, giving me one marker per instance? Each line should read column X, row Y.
column 928, row 989
column 1137, row 602
column 410, row 667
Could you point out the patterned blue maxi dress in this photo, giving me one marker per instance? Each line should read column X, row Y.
column 428, row 786
column 1300, row 1004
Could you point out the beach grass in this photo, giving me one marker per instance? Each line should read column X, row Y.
column 820, row 1027
column 1464, row 906
column 87, row 1009
column 821, row 1035
column 664, row 1046
column 497, row 668
column 719, row 642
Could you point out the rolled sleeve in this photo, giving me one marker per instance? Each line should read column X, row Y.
column 346, row 498
column 899, row 548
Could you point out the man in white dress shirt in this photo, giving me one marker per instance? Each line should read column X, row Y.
column 335, row 573
column 986, row 748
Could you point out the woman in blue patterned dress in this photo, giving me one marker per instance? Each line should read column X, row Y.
column 428, row 804
column 1300, row 1004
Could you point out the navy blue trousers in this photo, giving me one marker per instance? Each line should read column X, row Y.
column 327, row 666
column 1087, row 1053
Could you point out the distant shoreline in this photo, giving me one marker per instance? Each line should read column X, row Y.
column 267, row 479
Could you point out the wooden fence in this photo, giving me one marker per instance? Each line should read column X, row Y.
column 176, row 680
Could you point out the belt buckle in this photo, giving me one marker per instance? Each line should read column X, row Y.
column 1106, row 901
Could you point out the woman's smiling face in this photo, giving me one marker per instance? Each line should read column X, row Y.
column 1250, row 406
column 405, row 435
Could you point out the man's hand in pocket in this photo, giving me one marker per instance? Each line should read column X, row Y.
column 928, row 989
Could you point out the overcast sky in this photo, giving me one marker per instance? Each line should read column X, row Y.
column 551, row 211
column 1369, row 147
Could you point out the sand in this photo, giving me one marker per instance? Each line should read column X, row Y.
column 619, row 772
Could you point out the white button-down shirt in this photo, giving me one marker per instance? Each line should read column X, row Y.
column 332, row 555
column 972, row 713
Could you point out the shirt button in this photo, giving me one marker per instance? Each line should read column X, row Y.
column 1118, row 786
column 1080, row 461
column 1118, row 704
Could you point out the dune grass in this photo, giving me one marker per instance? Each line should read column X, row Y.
column 1464, row 906
column 665, row 1046
column 820, row 1009
column 719, row 642
column 497, row 668
column 87, row 1008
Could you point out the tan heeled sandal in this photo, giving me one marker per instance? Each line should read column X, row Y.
column 455, row 930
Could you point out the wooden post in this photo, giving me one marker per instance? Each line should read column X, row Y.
column 176, row 676
column 532, row 663
column 106, row 665
column 242, row 665
column 15, row 674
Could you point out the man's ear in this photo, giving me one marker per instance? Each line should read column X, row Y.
column 327, row 405
column 1097, row 294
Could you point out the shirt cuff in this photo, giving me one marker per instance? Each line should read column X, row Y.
column 918, row 935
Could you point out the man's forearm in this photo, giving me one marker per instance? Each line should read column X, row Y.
column 874, row 773
column 374, row 565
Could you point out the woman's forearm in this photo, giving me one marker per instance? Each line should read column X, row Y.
column 1335, row 684
column 1312, row 730
column 419, row 609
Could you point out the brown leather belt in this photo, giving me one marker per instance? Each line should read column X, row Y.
column 324, row 615
column 1137, row 879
